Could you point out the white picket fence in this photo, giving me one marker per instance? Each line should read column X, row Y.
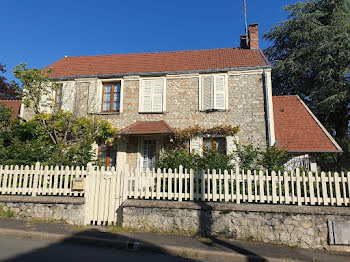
column 104, row 187
column 239, row 186
column 39, row 180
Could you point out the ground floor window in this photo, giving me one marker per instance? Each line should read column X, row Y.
column 107, row 154
column 218, row 144
column 149, row 151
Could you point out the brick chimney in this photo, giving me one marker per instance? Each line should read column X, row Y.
column 253, row 38
column 253, row 33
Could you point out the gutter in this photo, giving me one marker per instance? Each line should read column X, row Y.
column 270, row 125
column 163, row 73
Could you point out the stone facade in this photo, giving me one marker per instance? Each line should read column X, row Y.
column 246, row 106
column 289, row 225
column 65, row 209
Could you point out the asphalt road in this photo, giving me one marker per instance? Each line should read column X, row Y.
column 12, row 249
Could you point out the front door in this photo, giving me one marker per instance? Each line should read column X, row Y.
column 149, row 151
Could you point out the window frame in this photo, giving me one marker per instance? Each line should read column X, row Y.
column 141, row 94
column 58, row 96
column 112, row 83
column 200, row 93
column 213, row 143
column 108, row 154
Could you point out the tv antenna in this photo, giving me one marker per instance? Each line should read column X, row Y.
column 245, row 19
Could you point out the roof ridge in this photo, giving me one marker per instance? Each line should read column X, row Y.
column 10, row 100
column 161, row 52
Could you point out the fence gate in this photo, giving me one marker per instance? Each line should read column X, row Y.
column 105, row 192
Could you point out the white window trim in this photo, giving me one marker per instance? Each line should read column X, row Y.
column 100, row 91
column 200, row 92
column 141, row 94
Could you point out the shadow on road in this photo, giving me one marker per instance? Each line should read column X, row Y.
column 83, row 246
column 205, row 228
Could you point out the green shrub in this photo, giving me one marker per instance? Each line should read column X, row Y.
column 211, row 160
column 6, row 214
column 272, row 158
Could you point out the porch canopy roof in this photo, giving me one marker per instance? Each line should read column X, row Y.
column 147, row 128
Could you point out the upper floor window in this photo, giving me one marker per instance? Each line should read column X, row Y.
column 58, row 96
column 111, row 97
column 217, row 144
column 213, row 92
column 152, row 95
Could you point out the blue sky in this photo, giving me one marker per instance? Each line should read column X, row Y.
column 40, row 32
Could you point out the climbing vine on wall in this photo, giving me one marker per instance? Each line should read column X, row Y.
column 182, row 136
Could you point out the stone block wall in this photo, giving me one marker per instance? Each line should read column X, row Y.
column 304, row 227
column 246, row 107
column 68, row 209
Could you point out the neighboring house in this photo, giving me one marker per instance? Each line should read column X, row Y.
column 146, row 96
column 15, row 105
column 299, row 132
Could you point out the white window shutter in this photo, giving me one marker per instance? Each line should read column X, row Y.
column 157, row 95
column 68, row 96
column 146, row 101
column 219, row 92
column 207, row 92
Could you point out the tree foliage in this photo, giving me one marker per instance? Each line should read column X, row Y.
column 53, row 136
column 7, row 90
column 311, row 57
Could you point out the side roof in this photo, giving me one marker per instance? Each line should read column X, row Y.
column 161, row 62
column 14, row 104
column 297, row 129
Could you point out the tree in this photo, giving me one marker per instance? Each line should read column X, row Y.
column 7, row 91
column 53, row 137
column 311, row 58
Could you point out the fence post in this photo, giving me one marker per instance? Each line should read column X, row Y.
column 35, row 178
column 238, row 189
column 298, row 178
column 181, row 169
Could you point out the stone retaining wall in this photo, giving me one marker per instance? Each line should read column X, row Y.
column 300, row 226
column 68, row 209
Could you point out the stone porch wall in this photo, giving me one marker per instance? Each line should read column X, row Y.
column 68, row 209
column 289, row 225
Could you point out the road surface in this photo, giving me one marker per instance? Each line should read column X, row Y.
column 12, row 249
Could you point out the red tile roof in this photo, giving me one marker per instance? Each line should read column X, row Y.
column 297, row 129
column 146, row 128
column 14, row 104
column 177, row 61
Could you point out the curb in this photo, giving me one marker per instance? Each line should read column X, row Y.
column 183, row 252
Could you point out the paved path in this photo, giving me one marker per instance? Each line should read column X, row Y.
column 28, row 250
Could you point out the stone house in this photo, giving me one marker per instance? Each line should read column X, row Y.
column 147, row 95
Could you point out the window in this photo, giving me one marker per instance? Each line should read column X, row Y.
column 111, row 97
column 58, row 96
column 218, row 144
column 152, row 95
column 107, row 154
column 213, row 93
column 149, row 150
